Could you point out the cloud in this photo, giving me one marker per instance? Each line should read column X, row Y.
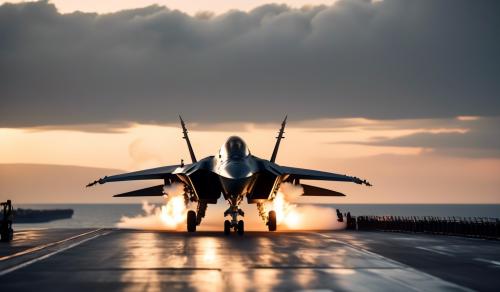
column 417, row 179
column 143, row 154
column 481, row 139
column 112, row 128
column 384, row 60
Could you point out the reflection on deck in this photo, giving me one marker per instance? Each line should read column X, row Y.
column 154, row 261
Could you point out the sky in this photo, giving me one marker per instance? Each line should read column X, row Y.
column 190, row 7
column 403, row 93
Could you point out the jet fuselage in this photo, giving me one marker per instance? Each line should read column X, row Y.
column 236, row 168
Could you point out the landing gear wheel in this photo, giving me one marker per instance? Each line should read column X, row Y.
column 271, row 223
column 227, row 227
column 241, row 227
column 191, row 221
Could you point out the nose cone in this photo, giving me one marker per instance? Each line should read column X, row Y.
column 236, row 170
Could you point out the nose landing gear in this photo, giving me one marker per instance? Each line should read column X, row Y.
column 238, row 226
column 241, row 227
column 227, row 227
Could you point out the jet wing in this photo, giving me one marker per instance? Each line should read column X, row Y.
column 301, row 173
column 153, row 173
column 321, row 192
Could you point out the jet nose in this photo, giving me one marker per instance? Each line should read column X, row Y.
column 236, row 170
column 235, row 177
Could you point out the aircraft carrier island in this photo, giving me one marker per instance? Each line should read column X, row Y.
column 131, row 260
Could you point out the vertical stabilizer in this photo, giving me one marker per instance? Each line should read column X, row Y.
column 278, row 140
column 186, row 137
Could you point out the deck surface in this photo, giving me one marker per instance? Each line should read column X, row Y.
column 118, row 260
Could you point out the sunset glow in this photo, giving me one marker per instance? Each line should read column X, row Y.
column 336, row 145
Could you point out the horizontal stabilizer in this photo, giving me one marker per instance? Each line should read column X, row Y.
column 147, row 192
column 317, row 191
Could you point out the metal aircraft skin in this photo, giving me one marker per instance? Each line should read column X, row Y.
column 234, row 173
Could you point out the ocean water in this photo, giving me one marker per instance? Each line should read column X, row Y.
column 108, row 215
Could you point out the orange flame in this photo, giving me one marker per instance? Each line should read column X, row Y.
column 286, row 213
column 174, row 211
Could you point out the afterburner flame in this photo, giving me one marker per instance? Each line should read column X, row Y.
column 301, row 217
column 174, row 211
column 170, row 216
column 286, row 213
column 293, row 219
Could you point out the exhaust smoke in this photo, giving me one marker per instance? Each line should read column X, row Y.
column 290, row 216
column 170, row 216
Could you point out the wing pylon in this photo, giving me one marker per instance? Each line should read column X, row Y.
column 186, row 137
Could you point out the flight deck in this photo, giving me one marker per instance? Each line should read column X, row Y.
column 118, row 260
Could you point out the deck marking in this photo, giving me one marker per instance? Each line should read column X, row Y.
column 435, row 251
column 27, row 263
column 403, row 266
column 492, row 262
column 40, row 247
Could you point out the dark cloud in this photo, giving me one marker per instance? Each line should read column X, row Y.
column 115, row 128
column 388, row 60
column 481, row 140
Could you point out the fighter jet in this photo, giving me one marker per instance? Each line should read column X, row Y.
column 234, row 173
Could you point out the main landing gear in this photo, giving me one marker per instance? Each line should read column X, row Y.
column 238, row 226
column 271, row 221
column 269, row 217
column 191, row 221
column 194, row 218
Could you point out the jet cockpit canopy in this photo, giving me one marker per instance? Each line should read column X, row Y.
column 234, row 148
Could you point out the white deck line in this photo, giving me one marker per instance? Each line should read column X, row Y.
column 404, row 266
column 30, row 262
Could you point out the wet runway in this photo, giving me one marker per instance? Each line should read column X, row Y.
column 118, row 260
